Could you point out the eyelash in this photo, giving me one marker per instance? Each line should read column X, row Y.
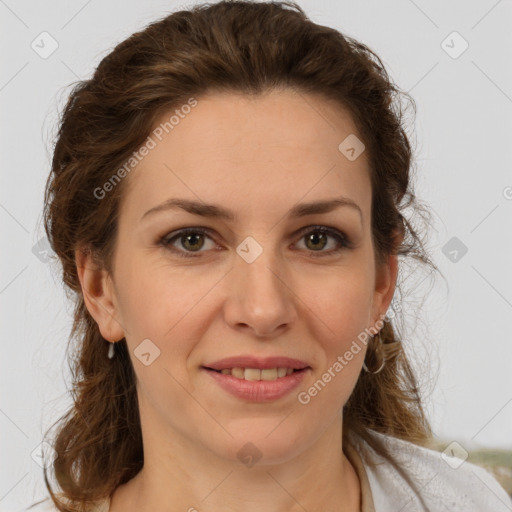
column 341, row 238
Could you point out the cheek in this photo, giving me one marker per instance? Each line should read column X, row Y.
column 153, row 291
column 162, row 301
column 341, row 314
column 341, row 302
column 165, row 303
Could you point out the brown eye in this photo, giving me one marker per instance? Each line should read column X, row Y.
column 187, row 243
column 191, row 240
column 317, row 238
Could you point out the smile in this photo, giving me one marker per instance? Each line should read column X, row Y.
column 257, row 385
column 257, row 374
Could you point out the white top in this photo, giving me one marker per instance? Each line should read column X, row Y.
column 453, row 486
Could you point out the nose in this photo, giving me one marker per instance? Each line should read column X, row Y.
column 260, row 298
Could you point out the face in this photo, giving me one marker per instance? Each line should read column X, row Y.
column 266, row 282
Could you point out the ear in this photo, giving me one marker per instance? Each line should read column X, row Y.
column 385, row 281
column 98, row 293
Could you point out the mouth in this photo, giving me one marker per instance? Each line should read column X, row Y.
column 258, row 385
column 257, row 374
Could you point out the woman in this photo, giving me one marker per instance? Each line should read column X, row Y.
column 225, row 198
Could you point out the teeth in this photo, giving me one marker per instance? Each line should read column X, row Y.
column 237, row 372
column 256, row 374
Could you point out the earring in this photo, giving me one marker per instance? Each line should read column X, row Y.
column 111, row 350
column 377, row 349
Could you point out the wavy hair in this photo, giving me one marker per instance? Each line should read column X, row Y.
column 234, row 46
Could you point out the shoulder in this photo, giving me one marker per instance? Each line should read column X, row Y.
column 427, row 480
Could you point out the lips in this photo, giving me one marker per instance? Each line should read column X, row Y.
column 258, row 390
column 229, row 363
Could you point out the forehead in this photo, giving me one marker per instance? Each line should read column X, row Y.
column 249, row 150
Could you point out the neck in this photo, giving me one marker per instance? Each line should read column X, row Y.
column 181, row 475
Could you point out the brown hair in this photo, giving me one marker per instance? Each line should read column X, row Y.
column 237, row 46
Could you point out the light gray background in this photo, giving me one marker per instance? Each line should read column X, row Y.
column 463, row 147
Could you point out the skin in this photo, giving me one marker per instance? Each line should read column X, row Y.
column 257, row 156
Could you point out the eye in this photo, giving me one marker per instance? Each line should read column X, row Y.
column 192, row 240
column 316, row 237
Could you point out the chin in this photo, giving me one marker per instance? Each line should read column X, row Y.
column 267, row 445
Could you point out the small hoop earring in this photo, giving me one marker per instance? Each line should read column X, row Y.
column 110, row 354
column 378, row 349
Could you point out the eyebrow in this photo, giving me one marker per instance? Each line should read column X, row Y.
column 219, row 212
